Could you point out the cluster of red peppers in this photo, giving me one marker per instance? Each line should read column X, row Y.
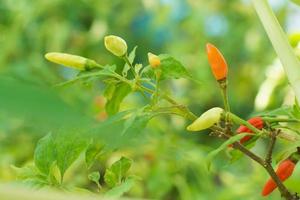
column 286, row 167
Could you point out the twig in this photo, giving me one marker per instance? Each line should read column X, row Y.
column 273, row 135
column 187, row 113
column 130, row 65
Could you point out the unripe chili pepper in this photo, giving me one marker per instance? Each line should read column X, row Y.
column 284, row 170
column 217, row 62
column 206, row 120
column 115, row 45
column 257, row 122
column 69, row 60
column 154, row 60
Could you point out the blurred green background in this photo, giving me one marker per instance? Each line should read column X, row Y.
column 168, row 160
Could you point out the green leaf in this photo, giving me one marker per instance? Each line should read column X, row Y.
column 31, row 176
column 114, row 126
column 93, row 151
column 137, row 120
column 121, row 91
column 55, row 175
column 110, row 178
column 90, row 75
column 64, row 147
column 114, row 175
column 45, row 155
column 121, row 167
column 119, row 190
column 36, row 105
column 95, row 177
column 131, row 58
column 277, row 36
column 29, row 171
column 296, row 110
column 287, row 152
column 69, row 145
column 215, row 152
column 109, row 91
column 296, row 2
column 137, row 68
column 172, row 68
column 284, row 110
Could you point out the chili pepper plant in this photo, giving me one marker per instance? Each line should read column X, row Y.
column 239, row 135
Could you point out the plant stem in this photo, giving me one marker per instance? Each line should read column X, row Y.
column 280, row 43
column 239, row 120
column 271, row 147
column 187, row 113
column 130, row 65
column 223, row 85
column 273, row 119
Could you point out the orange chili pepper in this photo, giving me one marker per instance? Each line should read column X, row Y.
column 285, row 170
column 217, row 62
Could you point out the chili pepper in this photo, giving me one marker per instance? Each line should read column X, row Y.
column 115, row 45
column 69, row 60
column 217, row 62
column 257, row 122
column 285, row 170
column 206, row 120
column 154, row 60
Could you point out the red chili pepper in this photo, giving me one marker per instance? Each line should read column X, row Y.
column 285, row 170
column 257, row 122
column 217, row 62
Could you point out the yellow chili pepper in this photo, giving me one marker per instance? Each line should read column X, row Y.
column 69, row 60
column 206, row 120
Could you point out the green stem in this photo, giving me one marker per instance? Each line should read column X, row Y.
column 88, row 75
column 223, row 86
column 280, row 43
column 187, row 113
column 239, row 120
column 273, row 119
column 130, row 65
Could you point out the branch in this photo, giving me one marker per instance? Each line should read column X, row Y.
column 271, row 146
column 187, row 113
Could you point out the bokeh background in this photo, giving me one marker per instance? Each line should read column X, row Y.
column 168, row 159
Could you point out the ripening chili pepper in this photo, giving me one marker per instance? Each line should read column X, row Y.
column 217, row 62
column 116, row 45
column 72, row 61
column 206, row 120
column 257, row 122
column 285, row 170
column 154, row 60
